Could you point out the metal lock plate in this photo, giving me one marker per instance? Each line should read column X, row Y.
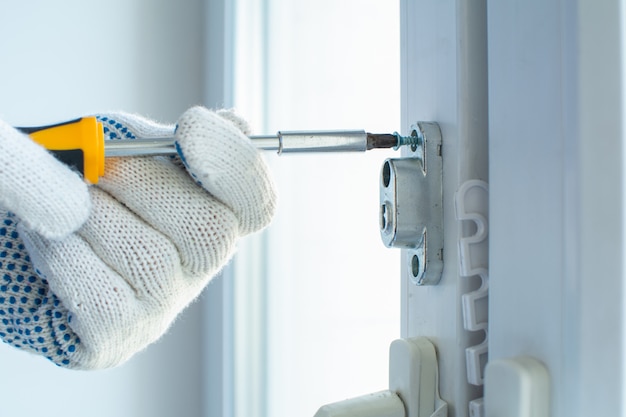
column 411, row 204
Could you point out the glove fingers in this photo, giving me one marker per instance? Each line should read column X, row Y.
column 225, row 162
column 119, row 281
column 147, row 259
column 45, row 194
column 202, row 229
column 144, row 257
column 102, row 309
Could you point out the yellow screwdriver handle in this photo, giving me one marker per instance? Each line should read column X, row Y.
column 78, row 143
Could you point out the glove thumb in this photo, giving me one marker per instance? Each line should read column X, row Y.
column 44, row 194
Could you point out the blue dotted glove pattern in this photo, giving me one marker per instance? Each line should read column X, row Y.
column 114, row 130
column 31, row 317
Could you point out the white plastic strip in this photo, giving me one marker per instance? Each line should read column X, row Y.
column 472, row 204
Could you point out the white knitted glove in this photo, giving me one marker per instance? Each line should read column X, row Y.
column 152, row 241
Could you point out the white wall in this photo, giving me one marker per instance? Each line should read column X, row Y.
column 64, row 59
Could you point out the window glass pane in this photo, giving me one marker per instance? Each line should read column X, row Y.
column 329, row 289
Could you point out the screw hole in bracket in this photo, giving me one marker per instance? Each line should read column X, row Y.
column 415, row 266
column 386, row 174
column 386, row 219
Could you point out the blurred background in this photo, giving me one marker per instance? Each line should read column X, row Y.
column 305, row 312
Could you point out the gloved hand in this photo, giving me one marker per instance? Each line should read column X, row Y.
column 91, row 275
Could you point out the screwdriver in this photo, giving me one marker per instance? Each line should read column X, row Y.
column 80, row 143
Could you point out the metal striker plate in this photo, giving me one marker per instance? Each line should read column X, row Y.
column 411, row 204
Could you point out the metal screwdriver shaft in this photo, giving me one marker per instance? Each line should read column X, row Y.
column 81, row 143
column 295, row 141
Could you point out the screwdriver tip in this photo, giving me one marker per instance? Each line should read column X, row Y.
column 381, row 140
column 390, row 140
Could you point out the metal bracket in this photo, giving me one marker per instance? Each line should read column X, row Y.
column 411, row 204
